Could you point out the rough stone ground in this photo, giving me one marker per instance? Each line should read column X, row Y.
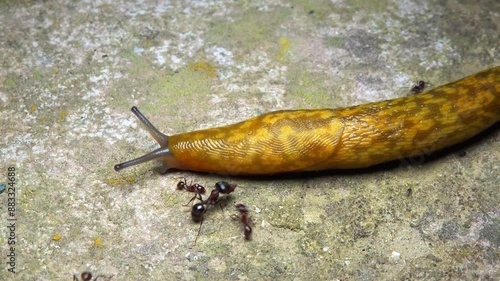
column 71, row 70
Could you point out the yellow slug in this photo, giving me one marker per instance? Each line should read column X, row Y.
column 344, row 138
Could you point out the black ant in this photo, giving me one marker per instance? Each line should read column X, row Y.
column 198, row 189
column 199, row 209
column 221, row 187
column 418, row 88
column 244, row 219
column 87, row 276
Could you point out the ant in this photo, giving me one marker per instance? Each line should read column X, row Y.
column 199, row 209
column 244, row 219
column 220, row 187
column 198, row 189
column 87, row 276
column 418, row 88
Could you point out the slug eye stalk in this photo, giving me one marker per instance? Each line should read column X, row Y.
column 157, row 154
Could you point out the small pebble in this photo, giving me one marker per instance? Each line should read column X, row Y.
column 395, row 255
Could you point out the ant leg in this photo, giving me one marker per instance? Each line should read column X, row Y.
column 192, row 199
column 199, row 231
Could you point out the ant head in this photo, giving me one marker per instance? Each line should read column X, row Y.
column 225, row 187
column 181, row 185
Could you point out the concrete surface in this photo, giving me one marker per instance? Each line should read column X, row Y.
column 71, row 70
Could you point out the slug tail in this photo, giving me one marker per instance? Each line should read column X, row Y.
column 160, row 138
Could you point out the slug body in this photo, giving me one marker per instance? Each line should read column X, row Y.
column 345, row 138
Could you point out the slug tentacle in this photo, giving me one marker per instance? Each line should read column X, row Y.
column 161, row 153
column 160, row 138
column 343, row 138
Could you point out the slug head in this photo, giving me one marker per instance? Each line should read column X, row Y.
column 162, row 153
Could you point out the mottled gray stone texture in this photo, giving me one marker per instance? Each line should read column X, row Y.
column 71, row 70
